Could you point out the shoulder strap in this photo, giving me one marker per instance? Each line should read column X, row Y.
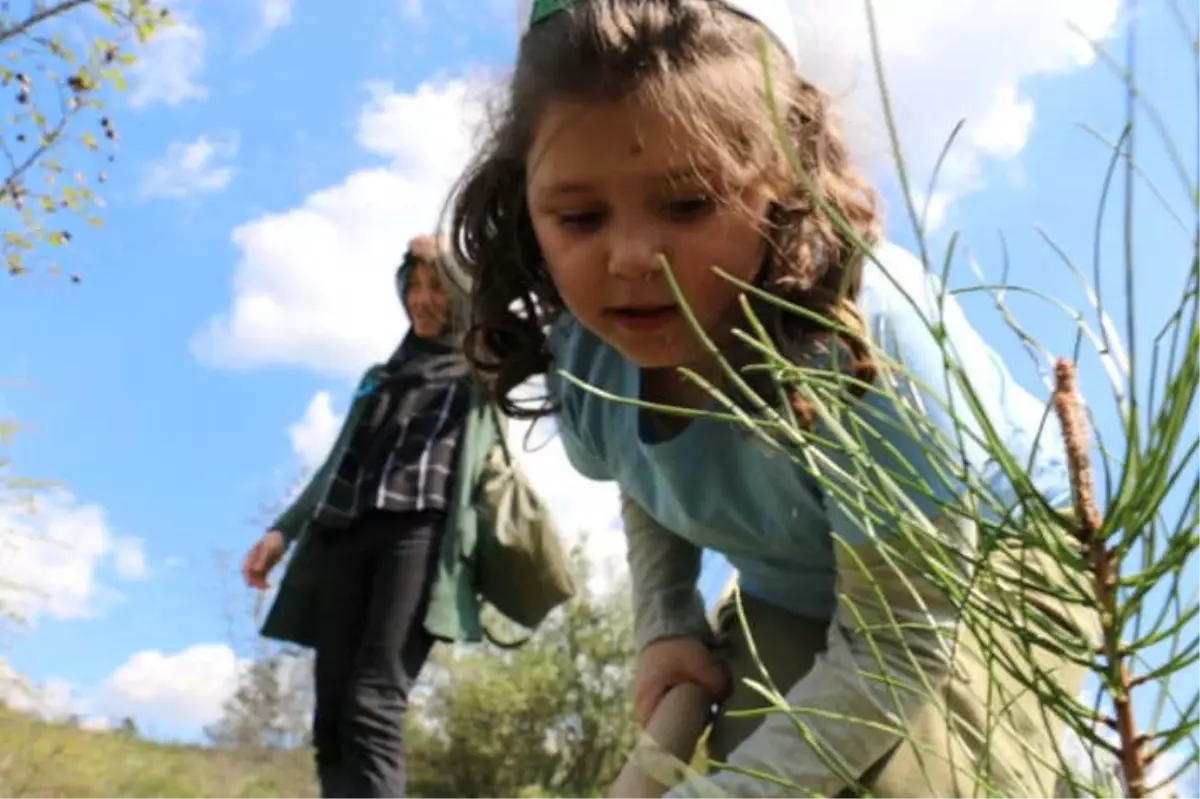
column 500, row 433
column 508, row 645
column 494, row 415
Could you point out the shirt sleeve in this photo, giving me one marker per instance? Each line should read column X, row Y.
column 888, row 650
column 290, row 523
column 296, row 516
column 664, row 569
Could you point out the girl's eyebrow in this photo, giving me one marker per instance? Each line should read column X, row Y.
column 676, row 176
column 564, row 188
column 671, row 177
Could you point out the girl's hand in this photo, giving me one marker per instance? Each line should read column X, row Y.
column 670, row 661
column 262, row 557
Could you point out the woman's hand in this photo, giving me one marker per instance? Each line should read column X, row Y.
column 262, row 557
column 670, row 661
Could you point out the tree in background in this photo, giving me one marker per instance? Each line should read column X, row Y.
column 128, row 728
column 553, row 718
column 272, row 706
column 60, row 63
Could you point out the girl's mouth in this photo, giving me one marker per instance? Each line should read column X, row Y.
column 643, row 319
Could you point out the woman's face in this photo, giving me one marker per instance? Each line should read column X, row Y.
column 427, row 303
column 614, row 187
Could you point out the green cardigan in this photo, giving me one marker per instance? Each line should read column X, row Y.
column 453, row 613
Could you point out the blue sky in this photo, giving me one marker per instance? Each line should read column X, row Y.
column 274, row 160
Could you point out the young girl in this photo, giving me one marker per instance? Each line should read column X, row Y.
column 637, row 131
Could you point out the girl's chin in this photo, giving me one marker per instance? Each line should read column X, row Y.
column 651, row 355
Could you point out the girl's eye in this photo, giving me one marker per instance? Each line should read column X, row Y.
column 687, row 209
column 581, row 220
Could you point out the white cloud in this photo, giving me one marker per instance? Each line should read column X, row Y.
column 274, row 14
column 201, row 166
column 271, row 16
column 309, row 287
column 51, row 700
column 15, row 691
column 184, row 688
column 129, row 559
column 53, row 554
column 946, row 60
column 313, row 285
column 313, row 435
column 168, row 67
column 96, row 724
column 411, row 10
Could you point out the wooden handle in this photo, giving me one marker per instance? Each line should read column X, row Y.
column 676, row 726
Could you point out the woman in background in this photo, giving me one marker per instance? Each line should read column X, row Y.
column 379, row 571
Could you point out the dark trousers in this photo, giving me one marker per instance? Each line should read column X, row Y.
column 371, row 646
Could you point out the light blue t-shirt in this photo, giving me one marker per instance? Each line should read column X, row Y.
column 719, row 487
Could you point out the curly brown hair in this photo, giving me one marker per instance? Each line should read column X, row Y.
column 692, row 60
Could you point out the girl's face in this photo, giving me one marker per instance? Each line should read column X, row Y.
column 426, row 302
column 611, row 188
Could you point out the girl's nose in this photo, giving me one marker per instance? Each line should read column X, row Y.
column 632, row 254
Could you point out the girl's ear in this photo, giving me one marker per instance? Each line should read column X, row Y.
column 767, row 267
column 769, row 229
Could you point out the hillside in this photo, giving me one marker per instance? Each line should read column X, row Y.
column 53, row 760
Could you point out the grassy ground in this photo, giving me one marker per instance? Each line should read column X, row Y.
column 39, row 759
column 53, row 760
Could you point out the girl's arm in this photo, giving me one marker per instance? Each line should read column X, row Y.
column 664, row 568
column 891, row 643
column 865, row 685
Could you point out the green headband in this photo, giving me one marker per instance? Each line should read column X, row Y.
column 545, row 8
column 775, row 16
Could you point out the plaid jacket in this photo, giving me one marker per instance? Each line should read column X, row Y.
column 401, row 457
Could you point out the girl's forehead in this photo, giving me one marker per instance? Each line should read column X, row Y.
column 576, row 142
